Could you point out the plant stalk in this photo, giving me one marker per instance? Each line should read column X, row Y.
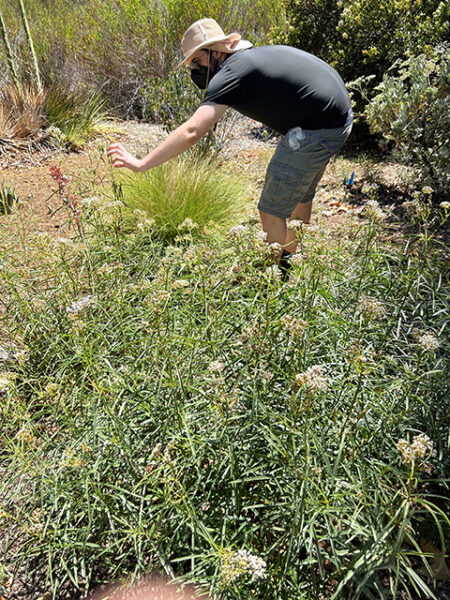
column 31, row 46
column 9, row 54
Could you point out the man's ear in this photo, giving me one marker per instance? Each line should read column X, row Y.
column 219, row 55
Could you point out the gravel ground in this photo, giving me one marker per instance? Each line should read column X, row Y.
column 236, row 132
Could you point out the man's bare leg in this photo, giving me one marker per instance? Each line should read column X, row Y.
column 303, row 212
column 275, row 227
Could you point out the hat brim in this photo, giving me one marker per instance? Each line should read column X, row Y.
column 233, row 37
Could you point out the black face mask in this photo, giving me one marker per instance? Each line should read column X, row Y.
column 201, row 75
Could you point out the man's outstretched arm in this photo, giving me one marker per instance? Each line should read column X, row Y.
column 182, row 138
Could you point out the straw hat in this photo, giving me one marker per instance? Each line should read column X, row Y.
column 207, row 33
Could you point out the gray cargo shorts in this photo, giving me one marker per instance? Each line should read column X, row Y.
column 297, row 166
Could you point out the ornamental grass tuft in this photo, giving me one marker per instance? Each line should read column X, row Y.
column 185, row 195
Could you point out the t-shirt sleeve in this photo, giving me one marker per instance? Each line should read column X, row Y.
column 224, row 88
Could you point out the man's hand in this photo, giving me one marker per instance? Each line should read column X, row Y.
column 122, row 158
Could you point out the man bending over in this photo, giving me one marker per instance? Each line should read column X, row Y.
column 293, row 92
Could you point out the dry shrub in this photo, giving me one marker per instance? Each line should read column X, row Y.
column 6, row 123
column 21, row 113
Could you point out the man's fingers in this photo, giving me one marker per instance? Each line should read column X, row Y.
column 115, row 149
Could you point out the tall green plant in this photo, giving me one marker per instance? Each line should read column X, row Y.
column 30, row 46
column 183, row 195
column 9, row 55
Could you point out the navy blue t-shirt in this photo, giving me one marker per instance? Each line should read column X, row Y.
column 282, row 87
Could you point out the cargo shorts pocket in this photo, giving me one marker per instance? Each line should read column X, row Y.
column 283, row 189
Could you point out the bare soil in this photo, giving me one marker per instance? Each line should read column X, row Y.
column 28, row 173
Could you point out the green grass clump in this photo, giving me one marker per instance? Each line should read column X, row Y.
column 179, row 408
column 185, row 194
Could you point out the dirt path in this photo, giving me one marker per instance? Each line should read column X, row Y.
column 246, row 150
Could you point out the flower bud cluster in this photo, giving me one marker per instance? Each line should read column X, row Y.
column 241, row 562
column 371, row 309
column 238, row 231
column 295, row 225
column 79, row 305
column 313, row 379
column 295, row 326
column 426, row 340
column 373, row 211
column 420, row 448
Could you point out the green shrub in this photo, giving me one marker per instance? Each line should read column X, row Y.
column 183, row 191
column 364, row 37
column 310, row 25
column 74, row 118
column 373, row 34
column 412, row 112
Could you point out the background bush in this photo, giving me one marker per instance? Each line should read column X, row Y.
column 360, row 37
column 119, row 46
column 412, row 112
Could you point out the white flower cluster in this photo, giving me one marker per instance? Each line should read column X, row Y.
column 216, row 366
column 261, row 235
column 4, row 383
column 79, row 305
column 426, row 341
column 146, row 224
column 274, row 249
column 238, row 231
column 240, row 562
column 371, row 309
column 296, row 327
column 313, row 379
column 411, row 206
column 427, row 190
column 295, row 225
column 195, row 255
column 296, row 259
column 373, row 211
column 420, row 448
column 187, row 225
column 90, row 202
column 273, row 271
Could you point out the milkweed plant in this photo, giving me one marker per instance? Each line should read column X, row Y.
column 181, row 407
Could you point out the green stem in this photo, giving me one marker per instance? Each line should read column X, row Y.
column 31, row 46
column 9, row 54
